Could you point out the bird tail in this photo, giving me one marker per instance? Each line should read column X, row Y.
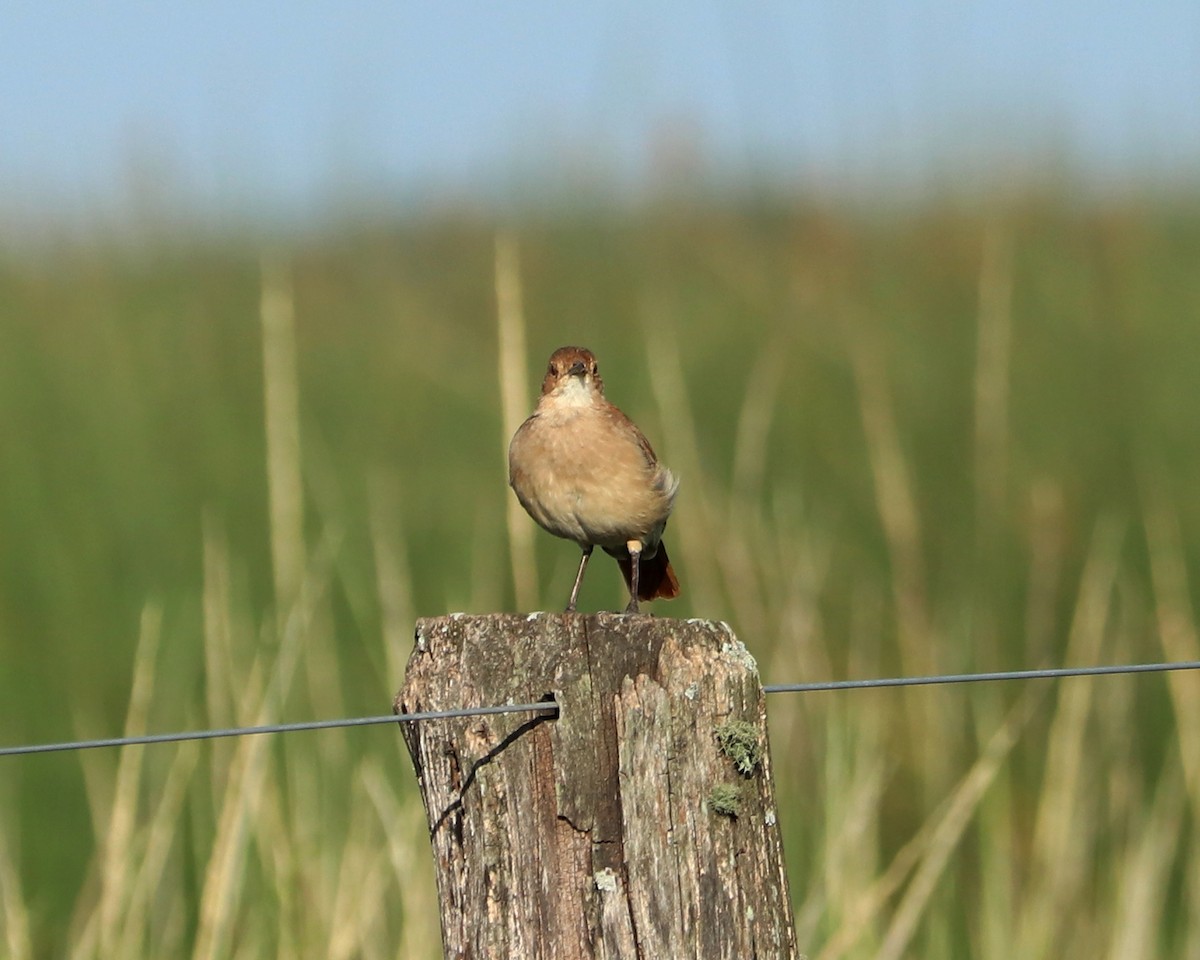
column 656, row 579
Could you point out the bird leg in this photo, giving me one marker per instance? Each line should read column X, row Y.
column 635, row 555
column 583, row 562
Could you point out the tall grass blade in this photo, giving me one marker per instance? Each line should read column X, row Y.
column 928, row 852
column 514, row 406
column 393, row 577
column 1177, row 634
column 243, row 796
column 894, row 500
column 404, row 826
column 1143, row 877
column 14, row 915
column 118, row 839
column 1064, row 828
column 1180, row 640
column 155, row 892
column 949, row 827
column 281, row 414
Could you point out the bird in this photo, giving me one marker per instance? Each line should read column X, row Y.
column 584, row 472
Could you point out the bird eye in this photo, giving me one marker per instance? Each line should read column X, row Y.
column 553, row 371
column 595, row 368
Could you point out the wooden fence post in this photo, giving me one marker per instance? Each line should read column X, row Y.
column 640, row 822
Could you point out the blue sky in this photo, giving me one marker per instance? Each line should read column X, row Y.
column 285, row 107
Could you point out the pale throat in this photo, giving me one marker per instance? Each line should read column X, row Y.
column 575, row 392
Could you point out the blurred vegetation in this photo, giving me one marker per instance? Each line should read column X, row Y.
column 958, row 437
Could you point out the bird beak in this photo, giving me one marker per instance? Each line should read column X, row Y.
column 577, row 369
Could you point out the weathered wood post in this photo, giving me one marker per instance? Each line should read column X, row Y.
column 640, row 822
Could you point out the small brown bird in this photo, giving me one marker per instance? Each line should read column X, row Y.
column 585, row 472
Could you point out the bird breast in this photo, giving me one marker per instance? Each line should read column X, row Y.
column 582, row 473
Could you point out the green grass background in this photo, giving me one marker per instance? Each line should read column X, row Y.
column 960, row 436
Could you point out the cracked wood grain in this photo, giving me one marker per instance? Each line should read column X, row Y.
column 590, row 834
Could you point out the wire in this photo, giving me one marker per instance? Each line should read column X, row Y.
column 549, row 706
column 544, row 706
column 1054, row 673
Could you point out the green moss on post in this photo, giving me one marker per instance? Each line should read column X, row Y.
column 725, row 800
column 740, row 742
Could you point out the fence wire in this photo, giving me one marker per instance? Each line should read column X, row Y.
column 549, row 706
column 1053, row 673
column 546, row 706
